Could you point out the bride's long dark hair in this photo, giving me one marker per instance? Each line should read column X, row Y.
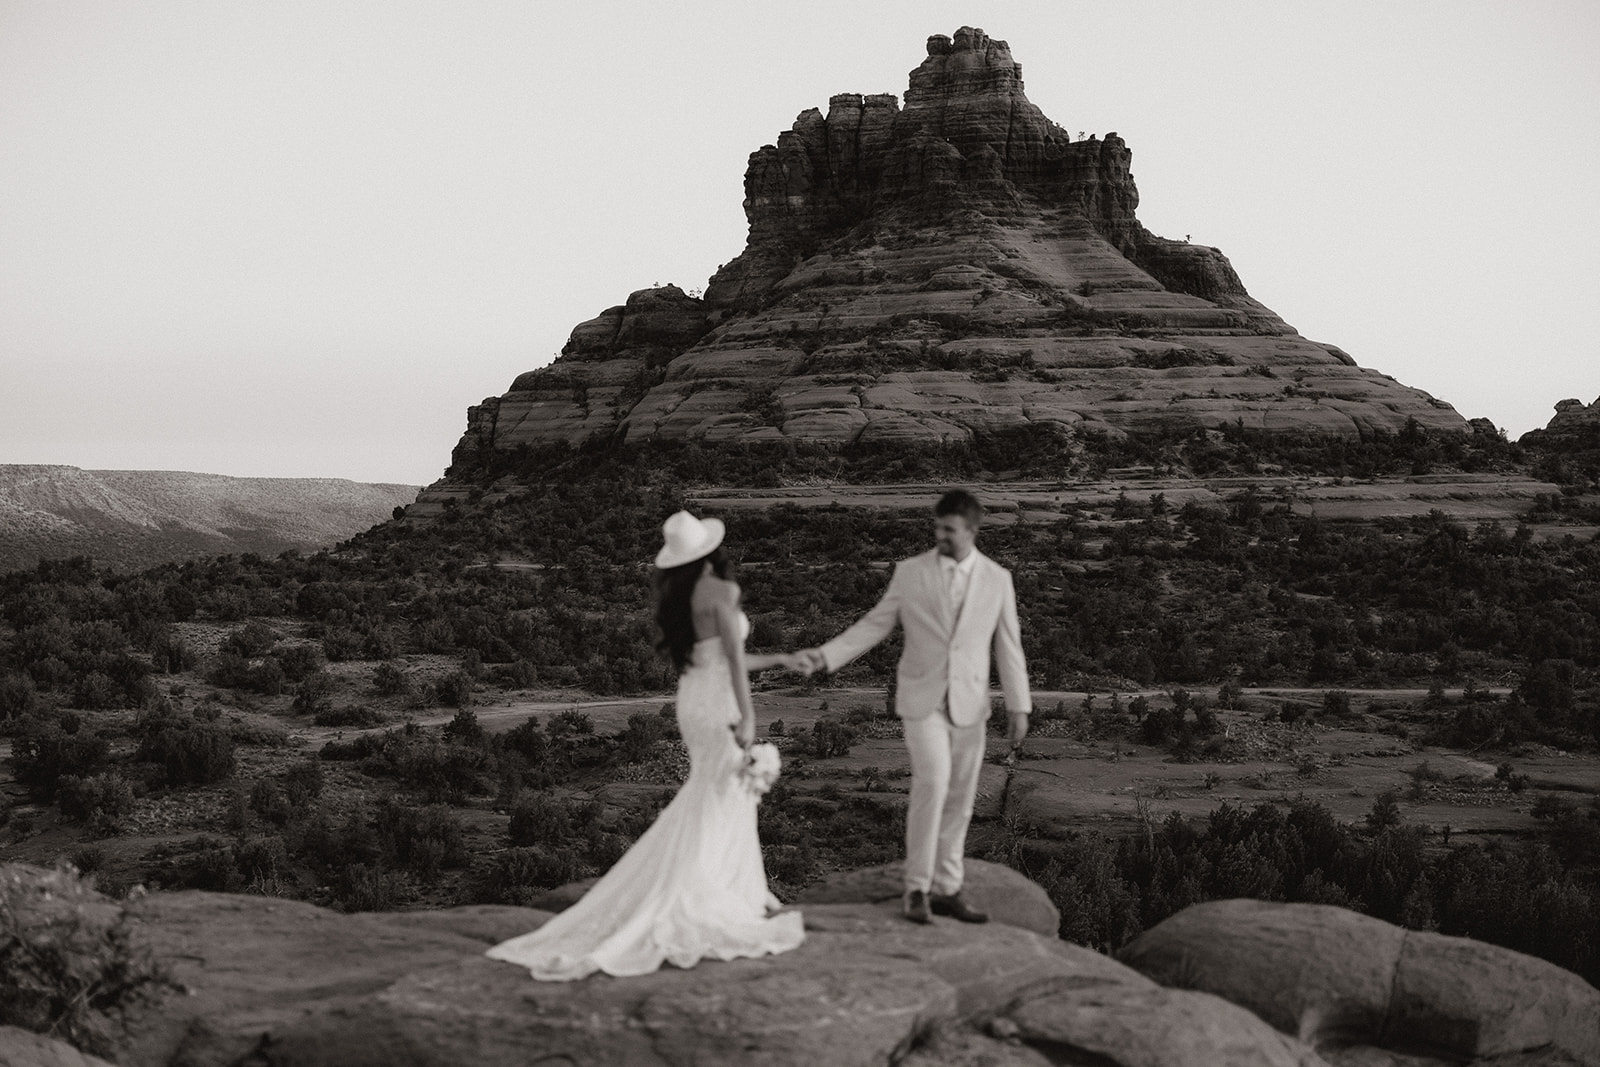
column 674, row 588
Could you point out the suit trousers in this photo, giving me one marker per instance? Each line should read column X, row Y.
column 945, row 763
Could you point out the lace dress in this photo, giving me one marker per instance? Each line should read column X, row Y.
column 694, row 886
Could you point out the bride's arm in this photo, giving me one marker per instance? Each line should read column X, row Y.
column 730, row 632
column 760, row 661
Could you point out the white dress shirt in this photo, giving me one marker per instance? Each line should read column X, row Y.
column 957, row 575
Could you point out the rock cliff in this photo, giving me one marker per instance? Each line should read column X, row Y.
column 1239, row 983
column 936, row 270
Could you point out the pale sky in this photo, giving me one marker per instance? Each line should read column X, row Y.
column 299, row 239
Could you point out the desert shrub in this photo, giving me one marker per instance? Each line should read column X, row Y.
column 1385, row 812
column 266, row 678
column 95, row 690
column 298, row 661
column 464, row 729
column 343, row 643
column 381, row 642
column 103, row 800
column 18, row 697
column 422, row 840
column 364, row 887
column 528, row 739
column 302, row 782
column 1336, row 704
column 188, row 752
column 454, row 690
column 329, row 846
column 314, row 694
column 70, row 962
column 252, row 640
column 571, row 722
column 230, row 671
column 1159, row 724
column 831, row 738
column 44, row 753
column 639, row 740
column 518, row 674
column 171, row 655
column 519, row 875
column 391, row 680
column 268, row 801
column 355, row 715
column 441, row 772
column 540, row 818
column 363, row 747
column 262, row 860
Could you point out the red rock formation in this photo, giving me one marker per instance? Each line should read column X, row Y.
column 928, row 272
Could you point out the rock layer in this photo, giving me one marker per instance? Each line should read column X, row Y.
column 939, row 270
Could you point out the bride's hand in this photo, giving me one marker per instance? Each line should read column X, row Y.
column 745, row 733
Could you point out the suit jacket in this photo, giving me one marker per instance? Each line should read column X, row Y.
column 944, row 657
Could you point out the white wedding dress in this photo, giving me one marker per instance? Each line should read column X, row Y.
column 694, row 886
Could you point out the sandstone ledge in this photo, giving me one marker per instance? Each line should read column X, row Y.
column 275, row 983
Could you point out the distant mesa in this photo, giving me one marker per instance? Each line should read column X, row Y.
column 134, row 519
column 935, row 270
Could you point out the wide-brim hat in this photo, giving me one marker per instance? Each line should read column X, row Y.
column 688, row 539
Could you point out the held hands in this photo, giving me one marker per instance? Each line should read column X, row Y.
column 807, row 661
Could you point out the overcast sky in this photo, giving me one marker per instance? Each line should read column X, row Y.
column 299, row 239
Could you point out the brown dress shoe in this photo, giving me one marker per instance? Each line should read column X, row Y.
column 956, row 908
column 917, row 907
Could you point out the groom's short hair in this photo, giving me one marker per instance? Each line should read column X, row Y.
column 960, row 502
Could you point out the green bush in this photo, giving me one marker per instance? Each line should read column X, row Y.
column 18, row 697
column 519, row 875
column 298, row 661
column 104, row 801
column 70, row 962
column 422, row 840
column 44, row 753
column 251, row 641
column 314, row 695
column 391, row 680
column 831, row 737
column 355, row 715
column 188, row 753
column 454, row 690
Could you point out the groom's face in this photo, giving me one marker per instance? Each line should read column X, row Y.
column 954, row 535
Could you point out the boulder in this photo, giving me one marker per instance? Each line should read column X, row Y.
column 1337, row 979
column 22, row 1048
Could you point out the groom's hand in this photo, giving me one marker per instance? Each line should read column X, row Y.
column 1018, row 729
column 813, row 659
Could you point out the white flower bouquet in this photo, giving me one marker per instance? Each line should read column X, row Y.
column 760, row 767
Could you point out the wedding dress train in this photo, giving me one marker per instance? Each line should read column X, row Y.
column 694, row 886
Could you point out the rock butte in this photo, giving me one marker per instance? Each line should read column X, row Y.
column 926, row 272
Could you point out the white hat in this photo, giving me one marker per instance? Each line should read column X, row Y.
column 688, row 539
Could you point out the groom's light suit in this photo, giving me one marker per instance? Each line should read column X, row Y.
column 943, row 696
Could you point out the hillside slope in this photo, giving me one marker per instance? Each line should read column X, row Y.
column 139, row 518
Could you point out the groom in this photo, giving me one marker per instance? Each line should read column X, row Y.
column 955, row 604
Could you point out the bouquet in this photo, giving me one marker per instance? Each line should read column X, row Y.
column 760, row 768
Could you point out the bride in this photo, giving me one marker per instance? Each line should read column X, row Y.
column 694, row 885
